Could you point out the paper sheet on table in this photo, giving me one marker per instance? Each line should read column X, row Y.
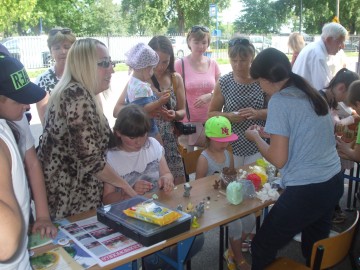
column 104, row 244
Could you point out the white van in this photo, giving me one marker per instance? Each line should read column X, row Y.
column 32, row 51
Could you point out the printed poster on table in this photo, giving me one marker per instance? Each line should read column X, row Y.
column 104, row 244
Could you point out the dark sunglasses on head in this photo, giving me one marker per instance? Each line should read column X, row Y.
column 240, row 41
column 106, row 64
column 63, row 31
column 196, row 28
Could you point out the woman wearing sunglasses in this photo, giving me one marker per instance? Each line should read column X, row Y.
column 76, row 133
column 59, row 42
column 240, row 98
column 200, row 74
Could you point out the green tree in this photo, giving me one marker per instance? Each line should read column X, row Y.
column 259, row 17
column 16, row 16
column 154, row 16
column 83, row 17
column 144, row 16
column 192, row 12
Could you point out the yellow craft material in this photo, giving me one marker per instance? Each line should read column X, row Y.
column 152, row 213
column 195, row 223
column 261, row 172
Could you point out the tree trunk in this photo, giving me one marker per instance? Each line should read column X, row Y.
column 181, row 17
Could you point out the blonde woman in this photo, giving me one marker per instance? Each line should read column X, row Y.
column 296, row 43
column 76, row 133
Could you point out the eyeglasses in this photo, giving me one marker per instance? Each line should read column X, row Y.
column 64, row 31
column 241, row 41
column 106, row 64
column 196, row 28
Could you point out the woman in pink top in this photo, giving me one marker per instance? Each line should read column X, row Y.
column 201, row 74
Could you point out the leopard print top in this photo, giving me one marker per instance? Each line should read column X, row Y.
column 72, row 150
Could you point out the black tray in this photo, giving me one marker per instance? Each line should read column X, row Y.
column 143, row 232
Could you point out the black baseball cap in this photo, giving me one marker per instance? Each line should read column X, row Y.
column 15, row 83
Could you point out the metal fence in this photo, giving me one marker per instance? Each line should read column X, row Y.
column 32, row 51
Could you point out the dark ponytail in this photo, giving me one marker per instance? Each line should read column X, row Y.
column 274, row 66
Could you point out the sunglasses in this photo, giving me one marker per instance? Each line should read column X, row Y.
column 64, row 31
column 240, row 41
column 196, row 28
column 106, row 64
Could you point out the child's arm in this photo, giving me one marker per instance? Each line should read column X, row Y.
column 157, row 104
column 108, row 175
column 33, row 168
column 201, row 167
column 120, row 103
column 11, row 224
column 346, row 151
column 110, row 195
column 166, row 180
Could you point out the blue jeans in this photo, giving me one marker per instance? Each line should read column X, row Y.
column 307, row 209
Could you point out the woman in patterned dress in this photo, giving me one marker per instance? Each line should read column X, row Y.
column 162, row 80
column 76, row 133
column 240, row 98
column 59, row 42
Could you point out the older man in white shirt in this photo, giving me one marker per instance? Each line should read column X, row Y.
column 312, row 60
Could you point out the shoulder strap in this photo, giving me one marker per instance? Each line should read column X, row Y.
column 183, row 77
column 173, row 81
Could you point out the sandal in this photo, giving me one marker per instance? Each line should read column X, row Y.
column 229, row 258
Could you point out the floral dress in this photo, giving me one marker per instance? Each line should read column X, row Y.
column 72, row 150
column 166, row 129
column 47, row 80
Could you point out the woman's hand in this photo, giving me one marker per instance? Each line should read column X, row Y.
column 168, row 115
column 202, row 100
column 248, row 113
column 253, row 132
column 166, row 184
column 235, row 117
column 343, row 148
column 142, row 186
column 164, row 97
column 45, row 227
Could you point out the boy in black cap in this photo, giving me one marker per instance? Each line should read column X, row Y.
column 16, row 93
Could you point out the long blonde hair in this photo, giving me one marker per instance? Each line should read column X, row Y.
column 80, row 67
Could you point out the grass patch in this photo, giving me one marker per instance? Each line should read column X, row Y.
column 121, row 67
column 33, row 73
column 352, row 54
column 223, row 61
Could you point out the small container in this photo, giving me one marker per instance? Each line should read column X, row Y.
column 234, row 193
column 248, row 188
column 227, row 179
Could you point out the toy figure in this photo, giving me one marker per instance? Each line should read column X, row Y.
column 217, row 184
column 199, row 209
column 187, row 188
